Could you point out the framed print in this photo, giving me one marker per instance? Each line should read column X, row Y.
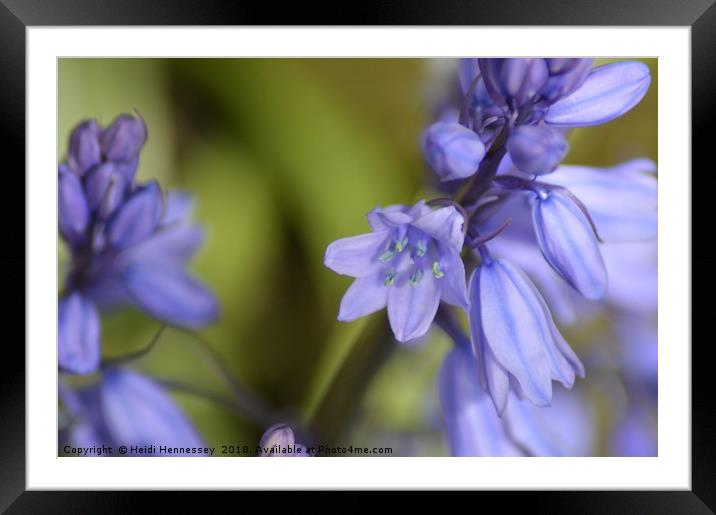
column 448, row 249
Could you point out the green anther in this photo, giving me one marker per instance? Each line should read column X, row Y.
column 436, row 270
column 416, row 277
column 389, row 277
column 387, row 256
column 420, row 249
column 400, row 245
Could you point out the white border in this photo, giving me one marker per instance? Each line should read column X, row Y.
column 670, row 470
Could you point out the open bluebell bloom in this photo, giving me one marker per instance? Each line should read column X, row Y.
column 409, row 263
column 280, row 441
column 127, row 408
column 128, row 243
column 514, row 336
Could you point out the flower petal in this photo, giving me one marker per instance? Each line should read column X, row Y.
column 472, row 428
column 137, row 218
column 73, row 214
column 513, row 324
column 445, row 225
column 565, row 363
column 124, row 138
column 172, row 245
column 566, row 428
column 567, row 241
column 384, row 219
column 138, row 412
column 454, row 287
column 78, row 347
column 84, row 151
column 357, row 256
column 178, row 207
column 169, row 294
column 412, row 307
column 622, row 200
column 609, row 91
column 105, row 186
column 365, row 296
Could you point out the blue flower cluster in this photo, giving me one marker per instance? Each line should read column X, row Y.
column 129, row 245
column 529, row 231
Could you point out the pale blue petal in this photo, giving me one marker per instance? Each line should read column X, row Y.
column 622, row 200
column 566, row 428
column 78, row 347
column 472, row 427
column 365, row 296
column 138, row 412
column 178, row 207
column 412, row 308
column 73, row 213
column 565, row 363
column 169, row 294
column 384, row 219
column 454, row 287
column 170, row 244
column 609, row 91
column 568, row 243
column 633, row 275
column 137, row 218
column 512, row 323
column 445, row 225
column 357, row 256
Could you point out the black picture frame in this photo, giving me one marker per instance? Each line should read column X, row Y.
column 16, row 15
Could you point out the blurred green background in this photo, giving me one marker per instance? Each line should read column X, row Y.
column 285, row 156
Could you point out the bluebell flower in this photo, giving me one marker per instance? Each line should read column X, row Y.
column 514, row 336
column 567, row 240
column 472, row 426
column 129, row 245
column 409, row 263
column 531, row 100
column 565, row 92
column 127, row 408
column 280, row 441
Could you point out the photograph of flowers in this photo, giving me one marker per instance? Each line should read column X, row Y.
column 357, row 257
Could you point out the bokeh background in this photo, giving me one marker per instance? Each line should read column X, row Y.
column 283, row 157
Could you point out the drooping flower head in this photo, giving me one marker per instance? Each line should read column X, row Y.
column 409, row 263
column 128, row 244
column 514, row 336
